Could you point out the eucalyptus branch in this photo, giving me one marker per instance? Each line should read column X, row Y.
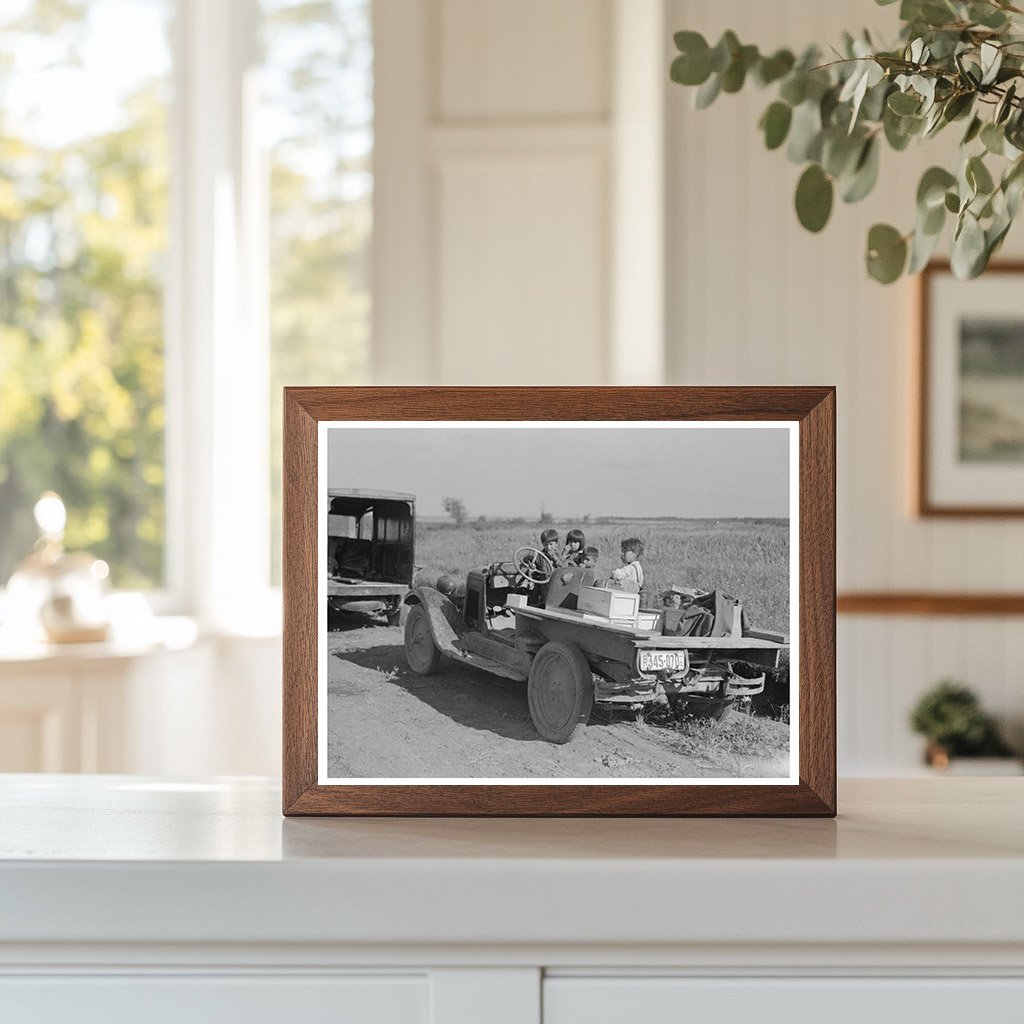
column 833, row 117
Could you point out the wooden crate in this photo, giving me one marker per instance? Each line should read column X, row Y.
column 617, row 605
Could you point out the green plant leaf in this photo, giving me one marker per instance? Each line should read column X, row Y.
column 1004, row 106
column 987, row 15
column 805, row 133
column 814, row 194
column 900, row 130
column 973, row 129
column 794, row 89
column 904, row 103
column 952, row 202
column 958, row 106
column 886, row 254
column 775, row 124
column 922, row 247
column 771, row 69
column 991, row 60
column 839, row 151
column 707, row 93
column 978, row 176
column 968, row 255
column 693, row 65
column 735, row 74
column 725, row 49
column 993, row 138
column 931, row 191
column 865, row 173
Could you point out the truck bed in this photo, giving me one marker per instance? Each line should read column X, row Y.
column 755, row 640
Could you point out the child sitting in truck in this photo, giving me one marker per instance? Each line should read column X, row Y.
column 572, row 553
column 630, row 575
column 549, row 549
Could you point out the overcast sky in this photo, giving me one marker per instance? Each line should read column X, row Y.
column 709, row 471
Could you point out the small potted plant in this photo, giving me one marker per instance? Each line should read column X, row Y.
column 950, row 717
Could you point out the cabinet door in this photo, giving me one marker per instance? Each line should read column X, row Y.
column 205, row 999
column 660, row 1000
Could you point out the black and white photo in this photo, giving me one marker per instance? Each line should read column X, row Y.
column 558, row 602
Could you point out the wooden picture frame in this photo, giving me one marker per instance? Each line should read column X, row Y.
column 959, row 471
column 806, row 414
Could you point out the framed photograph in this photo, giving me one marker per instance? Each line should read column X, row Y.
column 970, row 450
column 559, row 601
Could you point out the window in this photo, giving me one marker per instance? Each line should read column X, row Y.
column 236, row 212
column 317, row 118
column 83, row 236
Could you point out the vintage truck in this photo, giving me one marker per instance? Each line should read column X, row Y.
column 519, row 620
column 370, row 548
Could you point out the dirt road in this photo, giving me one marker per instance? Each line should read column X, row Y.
column 384, row 721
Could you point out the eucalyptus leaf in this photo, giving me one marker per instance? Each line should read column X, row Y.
column 931, row 190
column 775, row 124
column 725, row 49
column 735, row 74
column 904, row 103
column 1004, row 106
column 968, row 247
column 865, row 173
column 922, row 248
column 794, row 88
column 973, row 129
column 993, row 138
column 840, row 152
column 987, row 15
column 771, row 69
column 707, row 93
column 694, row 67
column 805, row 133
column 814, row 195
column 932, row 221
column 886, row 253
column 991, row 61
column 958, row 105
column 978, row 176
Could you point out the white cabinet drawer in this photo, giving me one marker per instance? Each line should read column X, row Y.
column 205, row 999
column 676, row 1000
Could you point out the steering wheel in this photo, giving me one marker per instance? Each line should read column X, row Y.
column 530, row 563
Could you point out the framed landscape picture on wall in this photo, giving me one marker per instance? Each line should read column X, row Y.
column 559, row 601
column 970, row 450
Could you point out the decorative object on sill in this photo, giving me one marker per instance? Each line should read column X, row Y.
column 59, row 594
column 970, row 422
column 950, row 717
column 508, row 605
column 955, row 61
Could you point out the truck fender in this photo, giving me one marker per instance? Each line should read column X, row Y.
column 445, row 620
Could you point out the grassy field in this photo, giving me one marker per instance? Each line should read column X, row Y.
column 748, row 558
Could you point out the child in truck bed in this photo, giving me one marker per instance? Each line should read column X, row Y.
column 630, row 575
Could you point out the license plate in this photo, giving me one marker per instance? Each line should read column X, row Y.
column 661, row 661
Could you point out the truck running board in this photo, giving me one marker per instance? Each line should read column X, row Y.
column 494, row 667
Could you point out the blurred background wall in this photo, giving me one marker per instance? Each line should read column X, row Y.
column 257, row 194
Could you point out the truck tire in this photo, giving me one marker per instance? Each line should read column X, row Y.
column 560, row 691
column 420, row 650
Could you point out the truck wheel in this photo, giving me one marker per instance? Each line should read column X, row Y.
column 420, row 650
column 560, row 691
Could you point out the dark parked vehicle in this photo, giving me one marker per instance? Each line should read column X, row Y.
column 370, row 548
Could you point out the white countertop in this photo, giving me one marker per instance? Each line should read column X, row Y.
column 120, row 859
